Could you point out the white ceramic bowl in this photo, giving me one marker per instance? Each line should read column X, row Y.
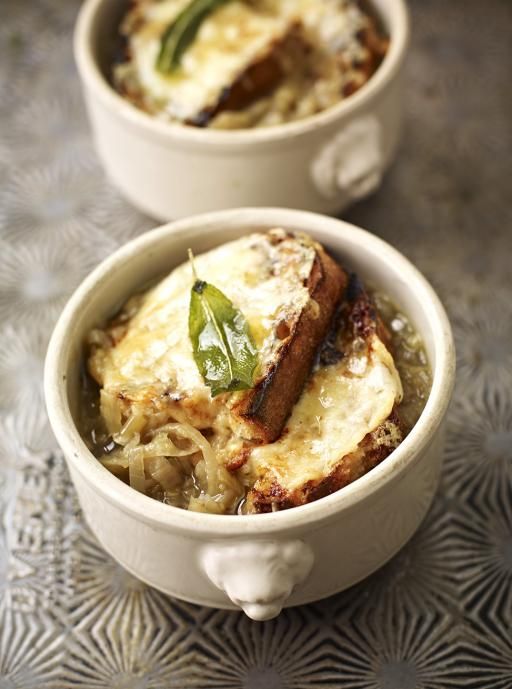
column 257, row 562
column 321, row 163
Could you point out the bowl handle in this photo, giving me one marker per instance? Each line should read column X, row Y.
column 351, row 164
column 258, row 576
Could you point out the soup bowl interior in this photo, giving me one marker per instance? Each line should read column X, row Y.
column 154, row 255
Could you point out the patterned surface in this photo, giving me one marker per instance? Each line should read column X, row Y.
column 440, row 614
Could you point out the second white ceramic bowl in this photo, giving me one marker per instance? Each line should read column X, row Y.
column 321, row 163
column 257, row 562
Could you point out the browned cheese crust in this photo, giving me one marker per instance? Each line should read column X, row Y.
column 358, row 319
column 374, row 448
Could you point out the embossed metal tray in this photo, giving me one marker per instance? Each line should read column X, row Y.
column 440, row 613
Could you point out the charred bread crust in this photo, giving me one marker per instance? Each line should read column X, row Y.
column 359, row 312
column 267, row 406
column 373, row 449
column 256, row 81
column 355, row 318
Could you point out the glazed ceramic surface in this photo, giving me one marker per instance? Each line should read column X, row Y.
column 322, row 163
column 260, row 562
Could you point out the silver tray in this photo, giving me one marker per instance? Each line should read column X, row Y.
column 439, row 614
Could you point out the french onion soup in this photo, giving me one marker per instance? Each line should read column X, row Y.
column 232, row 64
column 255, row 377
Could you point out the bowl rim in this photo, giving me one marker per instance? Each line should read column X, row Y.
column 397, row 16
column 166, row 517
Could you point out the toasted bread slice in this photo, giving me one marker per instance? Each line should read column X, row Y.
column 286, row 286
column 268, row 405
column 344, row 423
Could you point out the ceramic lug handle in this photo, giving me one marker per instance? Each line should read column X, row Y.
column 258, row 576
column 351, row 164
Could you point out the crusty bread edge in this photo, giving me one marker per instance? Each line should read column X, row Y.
column 267, row 406
column 367, row 456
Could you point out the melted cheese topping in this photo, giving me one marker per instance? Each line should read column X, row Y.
column 333, row 23
column 340, row 406
column 264, row 280
column 230, row 39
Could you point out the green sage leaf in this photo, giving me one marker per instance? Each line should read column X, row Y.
column 181, row 32
column 223, row 346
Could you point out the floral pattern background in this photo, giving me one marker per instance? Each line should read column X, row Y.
column 439, row 615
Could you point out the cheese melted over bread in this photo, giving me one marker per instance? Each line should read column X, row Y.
column 281, row 283
column 336, row 412
column 229, row 40
column 246, row 46
column 343, row 424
